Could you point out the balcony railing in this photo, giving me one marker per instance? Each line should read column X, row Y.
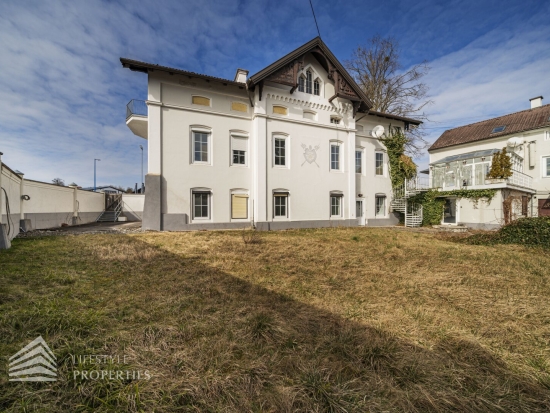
column 136, row 107
column 520, row 179
column 477, row 179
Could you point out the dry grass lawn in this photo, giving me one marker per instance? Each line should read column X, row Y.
column 336, row 320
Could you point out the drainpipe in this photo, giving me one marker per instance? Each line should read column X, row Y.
column 21, row 193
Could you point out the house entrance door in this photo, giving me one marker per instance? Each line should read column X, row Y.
column 360, row 211
column 449, row 212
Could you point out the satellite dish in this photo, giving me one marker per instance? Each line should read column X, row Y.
column 513, row 142
column 377, row 131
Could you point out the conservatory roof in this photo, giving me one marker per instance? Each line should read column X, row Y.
column 469, row 155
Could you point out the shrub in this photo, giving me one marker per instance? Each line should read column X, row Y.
column 501, row 167
column 532, row 232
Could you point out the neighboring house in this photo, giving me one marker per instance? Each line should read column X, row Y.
column 295, row 145
column 106, row 189
column 461, row 158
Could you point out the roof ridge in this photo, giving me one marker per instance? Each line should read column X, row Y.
column 497, row 117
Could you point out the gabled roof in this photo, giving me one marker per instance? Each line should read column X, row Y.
column 516, row 122
column 144, row 67
column 302, row 50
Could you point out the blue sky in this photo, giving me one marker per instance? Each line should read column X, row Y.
column 64, row 91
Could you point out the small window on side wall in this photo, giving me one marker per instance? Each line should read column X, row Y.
column 336, row 205
column 280, row 110
column 201, row 147
column 335, row 120
column 201, row 100
column 335, row 163
column 279, row 151
column 379, row 163
column 380, row 206
column 239, row 107
column 239, row 150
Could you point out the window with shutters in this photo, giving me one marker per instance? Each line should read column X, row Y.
column 239, row 149
column 239, row 206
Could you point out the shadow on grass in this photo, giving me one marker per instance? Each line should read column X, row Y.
column 214, row 342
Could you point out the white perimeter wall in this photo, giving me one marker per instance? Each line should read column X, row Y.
column 49, row 205
column 132, row 206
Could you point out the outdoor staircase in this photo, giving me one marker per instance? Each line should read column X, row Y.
column 400, row 200
column 113, row 210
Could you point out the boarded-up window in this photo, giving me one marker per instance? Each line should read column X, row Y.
column 309, row 115
column 280, row 110
column 201, row 100
column 239, row 106
column 239, row 206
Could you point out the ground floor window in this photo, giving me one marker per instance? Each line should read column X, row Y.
column 280, row 205
column 380, row 206
column 335, row 205
column 201, row 205
column 239, row 206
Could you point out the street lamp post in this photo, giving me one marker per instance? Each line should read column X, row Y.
column 141, row 177
column 95, row 186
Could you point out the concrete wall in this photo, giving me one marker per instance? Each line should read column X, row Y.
column 48, row 206
column 132, row 206
column 173, row 117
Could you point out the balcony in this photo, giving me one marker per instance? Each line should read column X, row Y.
column 468, row 179
column 136, row 117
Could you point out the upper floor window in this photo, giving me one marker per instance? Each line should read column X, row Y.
column 301, row 83
column 239, row 106
column 335, row 120
column 239, row 149
column 335, row 156
column 280, row 152
column 309, row 80
column 316, row 87
column 379, row 163
column 280, row 110
column 201, row 147
column 546, row 166
column 358, row 161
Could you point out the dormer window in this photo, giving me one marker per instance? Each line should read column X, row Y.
column 301, row 83
column 309, row 80
column 316, row 87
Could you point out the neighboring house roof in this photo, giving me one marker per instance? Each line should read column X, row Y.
column 99, row 188
column 516, row 122
column 144, row 67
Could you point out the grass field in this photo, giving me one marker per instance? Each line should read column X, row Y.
column 336, row 320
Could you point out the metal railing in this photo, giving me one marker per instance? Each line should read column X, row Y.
column 136, row 107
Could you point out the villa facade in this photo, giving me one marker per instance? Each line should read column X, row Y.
column 294, row 146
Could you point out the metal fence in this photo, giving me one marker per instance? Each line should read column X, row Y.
column 136, row 107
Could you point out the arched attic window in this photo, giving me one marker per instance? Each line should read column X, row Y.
column 316, row 87
column 309, row 81
column 301, row 83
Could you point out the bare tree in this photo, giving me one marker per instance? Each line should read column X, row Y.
column 58, row 182
column 377, row 69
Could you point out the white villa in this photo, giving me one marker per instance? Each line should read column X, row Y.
column 293, row 146
column 461, row 158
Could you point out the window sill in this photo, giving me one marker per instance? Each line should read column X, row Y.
column 201, row 163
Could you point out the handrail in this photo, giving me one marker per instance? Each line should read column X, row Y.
column 136, row 107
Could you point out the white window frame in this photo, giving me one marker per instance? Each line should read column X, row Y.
column 314, row 77
column 340, row 198
column 286, row 139
column 361, row 150
column 208, row 193
column 239, row 135
column 203, row 130
column 383, row 163
column 385, row 206
column 278, row 194
column 340, row 146
column 544, row 167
